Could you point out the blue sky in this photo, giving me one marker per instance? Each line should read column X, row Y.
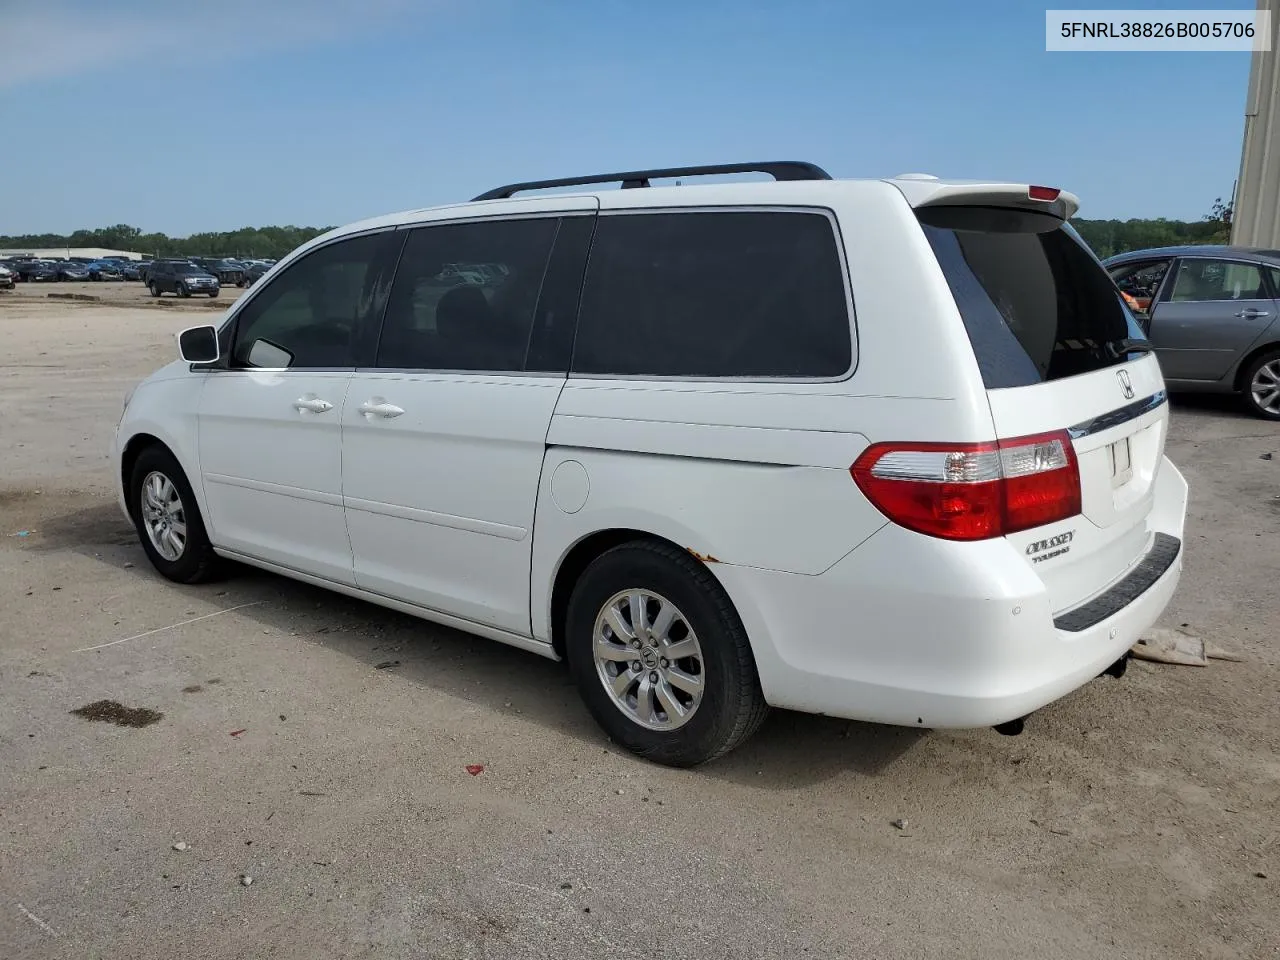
column 183, row 117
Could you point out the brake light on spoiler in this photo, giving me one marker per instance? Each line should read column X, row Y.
column 1047, row 194
column 972, row 491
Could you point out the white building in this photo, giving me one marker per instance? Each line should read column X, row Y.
column 1256, row 219
column 63, row 253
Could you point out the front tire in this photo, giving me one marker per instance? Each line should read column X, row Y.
column 1262, row 386
column 168, row 521
column 660, row 656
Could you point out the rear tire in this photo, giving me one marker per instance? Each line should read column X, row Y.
column 706, row 699
column 168, row 521
column 1262, row 386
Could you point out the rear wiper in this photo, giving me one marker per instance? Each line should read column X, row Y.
column 1119, row 348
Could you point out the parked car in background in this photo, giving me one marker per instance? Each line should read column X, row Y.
column 181, row 278
column 227, row 271
column 35, row 270
column 559, row 453
column 7, row 277
column 146, row 266
column 254, row 271
column 104, row 270
column 70, row 270
column 1213, row 315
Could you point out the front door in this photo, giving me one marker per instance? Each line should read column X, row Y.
column 271, row 420
column 444, row 437
column 1213, row 312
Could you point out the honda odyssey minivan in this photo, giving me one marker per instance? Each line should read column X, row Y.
column 890, row 450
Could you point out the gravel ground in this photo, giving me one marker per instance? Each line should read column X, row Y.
column 1133, row 819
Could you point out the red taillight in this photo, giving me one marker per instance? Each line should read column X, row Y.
column 1048, row 194
column 972, row 491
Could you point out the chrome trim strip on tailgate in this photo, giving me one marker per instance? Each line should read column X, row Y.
column 1131, row 411
column 1164, row 551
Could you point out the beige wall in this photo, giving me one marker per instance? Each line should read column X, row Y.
column 1257, row 210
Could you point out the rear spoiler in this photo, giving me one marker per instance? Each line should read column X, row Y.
column 931, row 192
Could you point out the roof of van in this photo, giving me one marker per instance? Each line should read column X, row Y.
column 918, row 189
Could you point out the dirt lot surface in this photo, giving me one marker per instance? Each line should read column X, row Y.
column 1137, row 818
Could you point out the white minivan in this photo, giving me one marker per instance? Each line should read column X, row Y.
column 890, row 450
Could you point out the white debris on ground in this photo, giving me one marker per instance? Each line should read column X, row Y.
column 1180, row 647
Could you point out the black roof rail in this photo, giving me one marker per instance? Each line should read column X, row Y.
column 778, row 169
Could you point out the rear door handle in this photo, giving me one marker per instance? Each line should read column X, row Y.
column 377, row 407
column 1249, row 313
column 312, row 405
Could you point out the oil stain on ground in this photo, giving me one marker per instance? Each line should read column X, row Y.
column 109, row 711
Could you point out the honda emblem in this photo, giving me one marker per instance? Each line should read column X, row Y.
column 1125, row 383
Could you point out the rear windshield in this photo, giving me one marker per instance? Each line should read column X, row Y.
column 1036, row 303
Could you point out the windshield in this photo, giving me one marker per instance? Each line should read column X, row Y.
column 1036, row 303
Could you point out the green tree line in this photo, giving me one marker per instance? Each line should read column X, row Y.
column 1107, row 237
column 267, row 242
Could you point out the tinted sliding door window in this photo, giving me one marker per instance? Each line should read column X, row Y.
column 466, row 294
column 732, row 294
column 310, row 315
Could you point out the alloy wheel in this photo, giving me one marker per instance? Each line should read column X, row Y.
column 163, row 516
column 649, row 660
column 1265, row 388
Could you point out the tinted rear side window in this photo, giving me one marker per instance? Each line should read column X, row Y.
column 731, row 294
column 1036, row 303
column 464, row 296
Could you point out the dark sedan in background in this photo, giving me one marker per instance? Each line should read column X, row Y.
column 70, row 270
column 229, row 272
column 104, row 270
column 34, row 271
column 1213, row 315
column 255, row 270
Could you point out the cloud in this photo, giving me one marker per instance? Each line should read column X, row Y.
column 52, row 40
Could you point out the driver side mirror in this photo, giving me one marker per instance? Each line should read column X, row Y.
column 198, row 344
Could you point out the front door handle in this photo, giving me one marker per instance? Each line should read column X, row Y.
column 312, row 405
column 1249, row 313
column 377, row 407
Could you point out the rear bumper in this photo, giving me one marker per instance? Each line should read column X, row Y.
column 921, row 632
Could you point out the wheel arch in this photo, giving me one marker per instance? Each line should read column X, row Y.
column 575, row 562
column 129, row 456
column 1243, row 369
